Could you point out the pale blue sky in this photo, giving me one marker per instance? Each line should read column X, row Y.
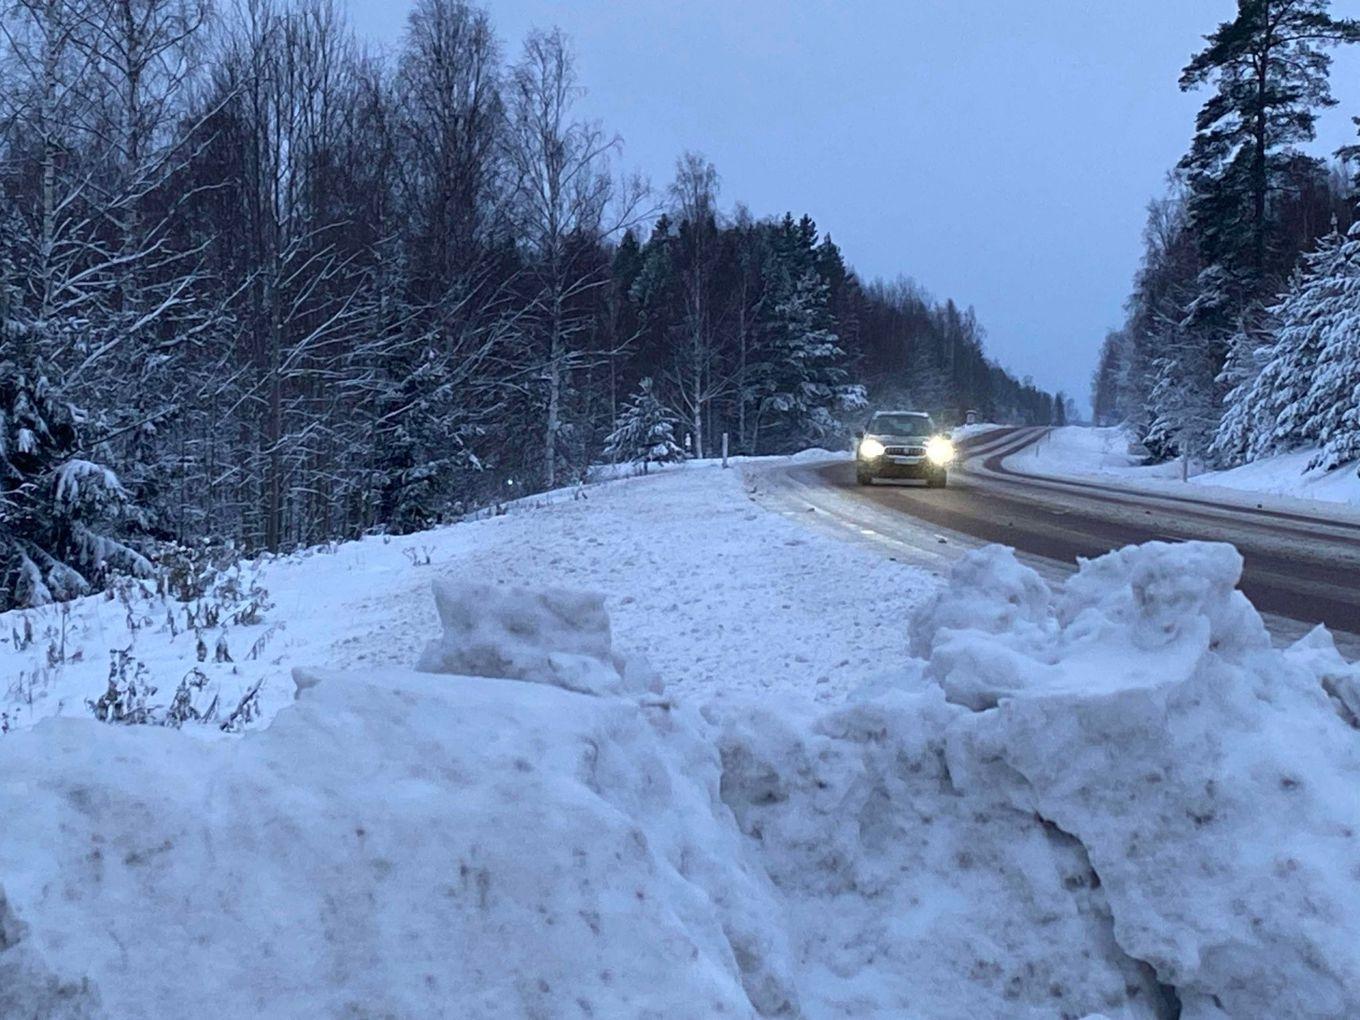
column 1000, row 152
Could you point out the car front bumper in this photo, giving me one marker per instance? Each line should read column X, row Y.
column 899, row 467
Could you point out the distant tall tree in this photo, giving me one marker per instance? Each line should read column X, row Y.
column 694, row 195
column 800, row 378
column 1105, row 405
column 564, row 205
column 1060, row 408
column 1269, row 68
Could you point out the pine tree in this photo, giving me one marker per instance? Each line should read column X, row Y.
column 1270, row 71
column 1244, row 410
column 645, row 432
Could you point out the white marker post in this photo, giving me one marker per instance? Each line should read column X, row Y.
column 724, row 464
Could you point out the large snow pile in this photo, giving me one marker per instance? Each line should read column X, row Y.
column 396, row 844
column 1213, row 781
column 1096, row 798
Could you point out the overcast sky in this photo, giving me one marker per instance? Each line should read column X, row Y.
column 999, row 152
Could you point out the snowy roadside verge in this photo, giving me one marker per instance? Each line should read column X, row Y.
column 1279, row 482
column 721, row 595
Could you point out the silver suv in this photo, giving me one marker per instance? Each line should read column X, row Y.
column 903, row 444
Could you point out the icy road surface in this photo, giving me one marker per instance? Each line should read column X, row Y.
column 1302, row 558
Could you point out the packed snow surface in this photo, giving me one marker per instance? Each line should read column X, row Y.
column 1106, row 797
column 719, row 595
column 1081, row 450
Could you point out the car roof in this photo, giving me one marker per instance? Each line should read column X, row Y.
column 914, row 414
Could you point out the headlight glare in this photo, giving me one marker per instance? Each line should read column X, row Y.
column 939, row 450
column 869, row 448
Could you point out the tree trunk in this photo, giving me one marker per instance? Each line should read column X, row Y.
column 554, row 394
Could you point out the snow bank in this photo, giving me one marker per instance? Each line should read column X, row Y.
column 907, row 896
column 1082, row 451
column 1107, row 798
column 393, row 845
column 1211, row 779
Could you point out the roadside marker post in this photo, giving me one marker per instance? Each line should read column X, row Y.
column 724, row 462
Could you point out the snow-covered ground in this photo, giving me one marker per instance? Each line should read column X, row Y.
column 720, row 595
column 1081, row 450
column 761, row 772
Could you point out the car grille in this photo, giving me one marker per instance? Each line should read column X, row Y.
column 905, row 451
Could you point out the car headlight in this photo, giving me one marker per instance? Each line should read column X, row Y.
column 939, row 450
column 870, row 448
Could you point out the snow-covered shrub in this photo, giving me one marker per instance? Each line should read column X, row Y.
column 127, row 699
column 62, row 515
column 129, row 688
column 214, row 584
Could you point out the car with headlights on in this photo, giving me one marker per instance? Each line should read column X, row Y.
column 903, row 444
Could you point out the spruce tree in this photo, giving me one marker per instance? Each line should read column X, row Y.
column 1245, row 413
column 800, row 376
column 1326, row 306
column 645, row 432
column 60, row 512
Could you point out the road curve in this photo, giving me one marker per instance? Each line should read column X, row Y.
column 1299, row 567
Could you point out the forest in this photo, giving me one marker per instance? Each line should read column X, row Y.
column 1242, row 337
column 262, row 286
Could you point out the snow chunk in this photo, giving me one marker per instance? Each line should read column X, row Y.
column 906, row 896
column 553, row 636
column 1316, row 652
column 1210, row 778
column 989, row 592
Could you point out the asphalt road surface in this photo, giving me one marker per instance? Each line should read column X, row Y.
column 1298, row 567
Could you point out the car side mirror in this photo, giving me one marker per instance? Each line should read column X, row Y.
column 946, row 435
column 859, row 433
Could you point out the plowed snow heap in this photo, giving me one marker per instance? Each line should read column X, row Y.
column 1113, row 796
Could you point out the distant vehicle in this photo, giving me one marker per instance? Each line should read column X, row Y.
column 903, row 444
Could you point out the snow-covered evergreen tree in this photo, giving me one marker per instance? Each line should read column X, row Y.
column 1245, row 413
column 1306, row 390
column 799, row 374
column 645, row 431
column 1326, row 305
column 59, row 511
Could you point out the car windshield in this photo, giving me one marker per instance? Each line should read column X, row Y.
column 900, row 425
